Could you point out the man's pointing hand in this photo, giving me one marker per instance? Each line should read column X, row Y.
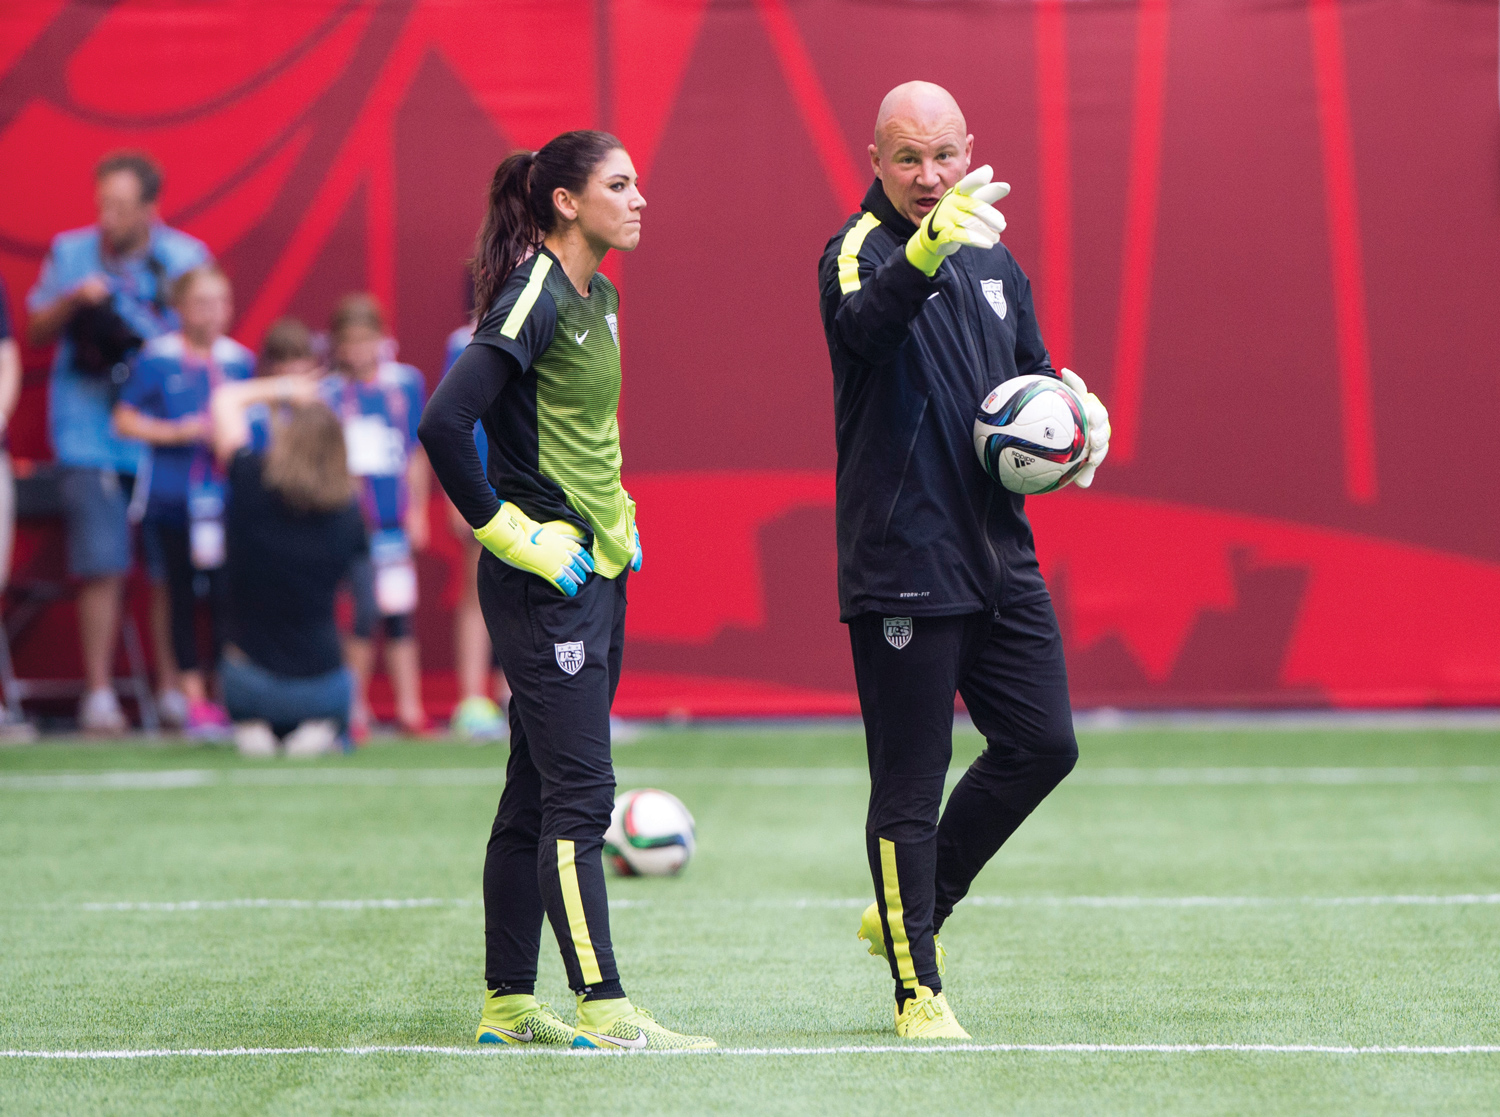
column 962, row 216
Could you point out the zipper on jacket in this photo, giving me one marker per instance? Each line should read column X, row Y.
column 906, row 465
column 989, row 545
column 997, row 569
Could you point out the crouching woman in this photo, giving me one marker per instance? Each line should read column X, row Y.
column 292, row 533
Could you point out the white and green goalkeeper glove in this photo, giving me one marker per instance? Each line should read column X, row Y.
column 552, row 551
column 962, row 216
column 1098, row 417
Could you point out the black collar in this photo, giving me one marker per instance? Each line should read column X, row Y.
column 877, row 203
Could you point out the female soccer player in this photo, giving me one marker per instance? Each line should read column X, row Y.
column 543, row 374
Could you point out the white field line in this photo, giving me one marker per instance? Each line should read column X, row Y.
column 1242, row 776
column 295, row 905
column 182, row 778
column 848, row 1049
column 1462, row 899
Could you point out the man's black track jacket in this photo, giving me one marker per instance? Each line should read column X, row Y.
column 922, row 530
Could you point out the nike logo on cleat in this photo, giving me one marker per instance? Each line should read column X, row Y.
column 579, row 337
column 519, row 1037
column 636, row 1044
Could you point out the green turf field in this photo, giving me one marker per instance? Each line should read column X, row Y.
column 1180, row 888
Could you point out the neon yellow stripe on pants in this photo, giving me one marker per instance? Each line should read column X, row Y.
column 578, row 925
column 894, row 914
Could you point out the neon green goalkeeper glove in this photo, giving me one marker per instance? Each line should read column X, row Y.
column 635, row 534
column 962, row 216
column 1094, row 411
column 552, row 551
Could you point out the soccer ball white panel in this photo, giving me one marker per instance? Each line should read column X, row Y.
column 1031, row 434
column 650, row 834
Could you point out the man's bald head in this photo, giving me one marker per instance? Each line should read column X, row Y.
column 922, row 146
column 918, row 105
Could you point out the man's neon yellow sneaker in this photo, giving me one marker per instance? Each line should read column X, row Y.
column 521, row 1018
column 617, row 1025
column 870, row 931
column 927, row 1016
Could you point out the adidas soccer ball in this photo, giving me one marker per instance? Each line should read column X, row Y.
column 1031, row 434
column 650, row 834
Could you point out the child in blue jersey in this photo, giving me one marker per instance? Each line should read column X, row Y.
column 380, row 402
column 477, row 715
column 286, row 350
column 180, row 489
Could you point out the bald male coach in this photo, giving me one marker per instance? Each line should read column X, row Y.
column 925, row 311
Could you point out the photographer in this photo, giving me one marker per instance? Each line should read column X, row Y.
column 294, row 532
column 101, row 293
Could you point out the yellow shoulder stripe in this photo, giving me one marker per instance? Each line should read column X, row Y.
column 517, row 316
column 849, row 253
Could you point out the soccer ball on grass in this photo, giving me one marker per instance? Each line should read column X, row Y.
column 651, row 834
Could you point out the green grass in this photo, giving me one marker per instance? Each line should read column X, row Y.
column 754, row 943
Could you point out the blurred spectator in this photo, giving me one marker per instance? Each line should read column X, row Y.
column 10, row 391
column 380, row 402
column 101, row 290
column 294, row 532
column 286, row 350
column 180, row 489
column 477, row 716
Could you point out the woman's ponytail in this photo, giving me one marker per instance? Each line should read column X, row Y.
column 521, row 213
column 509, row 230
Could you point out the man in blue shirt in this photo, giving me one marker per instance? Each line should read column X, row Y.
column 126, row 260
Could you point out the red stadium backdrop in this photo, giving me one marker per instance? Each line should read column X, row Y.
column 1267, row 234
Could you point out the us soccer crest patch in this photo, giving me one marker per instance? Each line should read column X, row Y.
column 994, row 294
column 569, row 656
column 898, row 632
column 614, row 328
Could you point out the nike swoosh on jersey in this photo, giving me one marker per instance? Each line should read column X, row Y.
column 636, row 1044
column 579, row 337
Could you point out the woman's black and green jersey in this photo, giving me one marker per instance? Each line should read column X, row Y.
column 543, row 375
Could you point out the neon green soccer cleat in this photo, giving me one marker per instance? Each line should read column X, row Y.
column 870, row 931
column 927, row 1016
column 521, row 1018
column 617, row 1025
column 479, row 719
